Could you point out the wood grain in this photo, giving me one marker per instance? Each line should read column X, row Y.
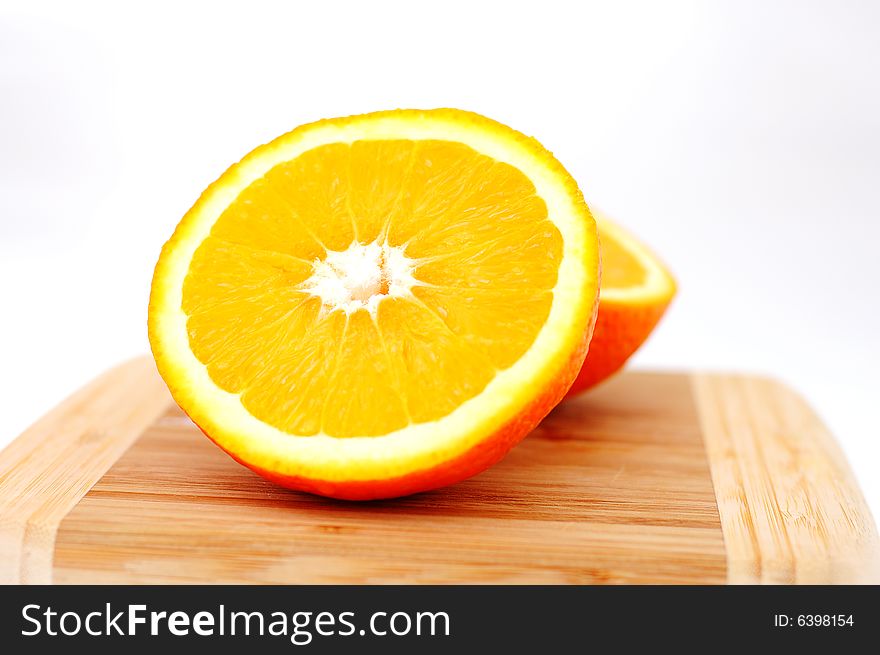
column 613, row 487
column 790, row 508
column 46, row 470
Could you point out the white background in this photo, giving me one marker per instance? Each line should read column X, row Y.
column 740, row 140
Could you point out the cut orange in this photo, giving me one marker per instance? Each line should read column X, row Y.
column 636, row 290
column 371, row 306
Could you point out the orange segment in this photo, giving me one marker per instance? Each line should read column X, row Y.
column 315, row 187
column 528, row 263
column 621, row 268
column 478, row 316
column 366, row 397
column 439, row 180
column 377, row 305
column 261, row 219
column 379, row 174
column 636, row 290
column 418, row 342
column 290, row 392
column 240, row 305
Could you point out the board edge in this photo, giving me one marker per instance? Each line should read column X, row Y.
column 47, row 469
column 791, row 509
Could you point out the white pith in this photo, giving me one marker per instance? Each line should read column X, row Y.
column 360, row 276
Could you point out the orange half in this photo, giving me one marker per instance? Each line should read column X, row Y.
column 377, row 305
column 636, row 290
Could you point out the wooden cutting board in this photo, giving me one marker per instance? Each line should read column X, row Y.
column 651, row 478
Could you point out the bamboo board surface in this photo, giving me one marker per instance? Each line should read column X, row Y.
column 650, row 478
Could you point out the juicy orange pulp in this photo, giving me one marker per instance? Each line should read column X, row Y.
column 358, row 304
column 620, row 267
column 376, row 305
column 636, row 290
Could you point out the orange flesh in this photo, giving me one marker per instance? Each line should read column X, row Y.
column 620, row 269
column 485, row 259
